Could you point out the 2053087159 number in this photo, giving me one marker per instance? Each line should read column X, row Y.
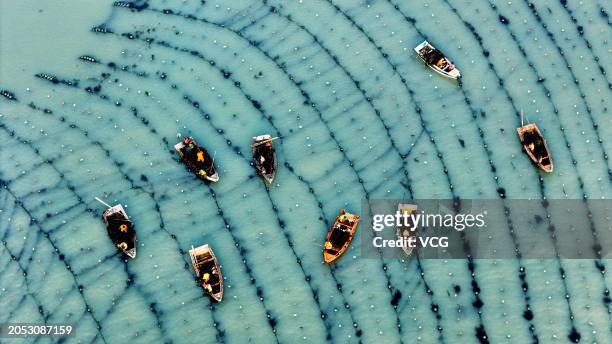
column 17, row 330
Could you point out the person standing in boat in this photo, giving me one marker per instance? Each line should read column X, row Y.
column 206, row 282
column 262, row 160
column 187, row 143
column 208, row 279
column 265, row 156
column 188, row 147
column 328, row 245
column 214, row 276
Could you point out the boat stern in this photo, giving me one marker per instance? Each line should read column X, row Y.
column 214, row 178
column 261, row 138
column 527, row 127
column 547, row 168
column 131, row 252
column 178, row 147
column 454, row 74
column 407, row 250
column 218, row 297
column 118, row 208
column 420, row 47
column 269, row 178
column 407, row 206
column 198, row 250
column 329, row 258
column 353, row 217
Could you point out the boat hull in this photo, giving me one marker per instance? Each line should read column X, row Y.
column 546, row 163
column 268, row 176
column 214, row 177
column 339, row 237
column 404, row 232
column 114, row 217
column 202, row 260
column 454, row 73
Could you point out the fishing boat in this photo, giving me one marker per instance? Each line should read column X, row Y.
column 264, row 157
column 534, row 144
column 207, row 270
column 436, row 60
column 120, row 229
column 406, row 232
column 197, row 160
column 339, row 236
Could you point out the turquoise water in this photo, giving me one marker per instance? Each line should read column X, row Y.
column 360, row 117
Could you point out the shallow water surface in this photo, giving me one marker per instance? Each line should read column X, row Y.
column 94, row 94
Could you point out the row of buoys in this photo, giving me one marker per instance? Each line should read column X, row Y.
column 530, row 136
column 197, row 159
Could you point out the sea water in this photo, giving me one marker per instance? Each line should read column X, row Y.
column 359, row 116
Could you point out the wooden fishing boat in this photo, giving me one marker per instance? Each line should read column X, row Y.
column 264, row 157
column 535, row 146
column 339, row 236
column 197, row 160
column 405, row 232
column 207, row 270
column 436, row 60
column 120, row 229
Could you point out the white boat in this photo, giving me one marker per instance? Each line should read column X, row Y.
column 535, row 146
column 207, row 270
column 405, row 232
column 120, row 229
column 436, row 60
